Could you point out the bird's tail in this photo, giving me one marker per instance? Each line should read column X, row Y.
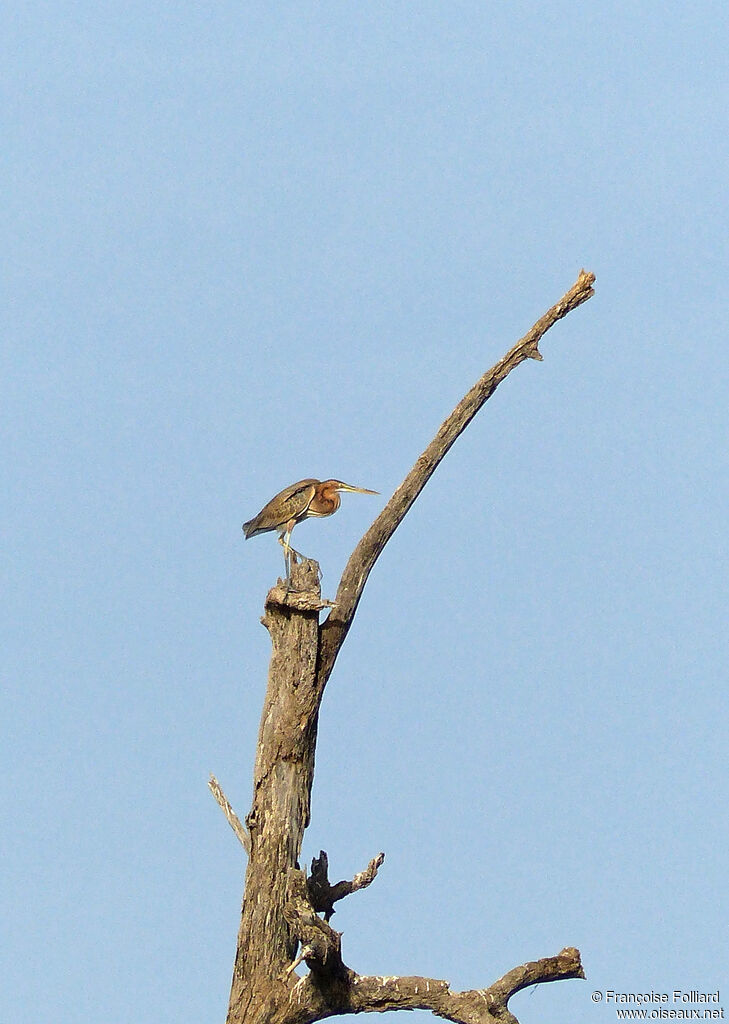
column 249, row 528
column 253, row 527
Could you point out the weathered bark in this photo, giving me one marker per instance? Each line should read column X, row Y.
column 281, row 906
column 282, row 779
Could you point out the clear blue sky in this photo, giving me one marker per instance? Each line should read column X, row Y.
column 249, row 243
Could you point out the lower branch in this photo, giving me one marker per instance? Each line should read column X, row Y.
column 310, row 1000
column 333, row 988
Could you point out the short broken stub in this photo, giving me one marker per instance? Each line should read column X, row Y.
column 302, row 592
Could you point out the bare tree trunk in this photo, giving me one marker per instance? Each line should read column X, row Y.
column 282, row 907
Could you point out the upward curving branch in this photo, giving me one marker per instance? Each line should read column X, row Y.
column 281, row 924
column 370, row 546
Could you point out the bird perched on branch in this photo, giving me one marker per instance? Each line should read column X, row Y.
column 303, row 500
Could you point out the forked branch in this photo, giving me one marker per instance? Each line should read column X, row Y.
column 281, row 924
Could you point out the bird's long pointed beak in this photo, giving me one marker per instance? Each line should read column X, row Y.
column 356, row 490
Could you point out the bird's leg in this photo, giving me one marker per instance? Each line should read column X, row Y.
column 290, row 554
column 283, row 542
column 284, row 539
column 287, row 560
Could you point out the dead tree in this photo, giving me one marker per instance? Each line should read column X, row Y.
column 285, row 913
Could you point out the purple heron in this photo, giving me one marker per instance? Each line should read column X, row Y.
column 293, row 504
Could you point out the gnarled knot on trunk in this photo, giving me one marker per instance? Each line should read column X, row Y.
column 321, row 946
